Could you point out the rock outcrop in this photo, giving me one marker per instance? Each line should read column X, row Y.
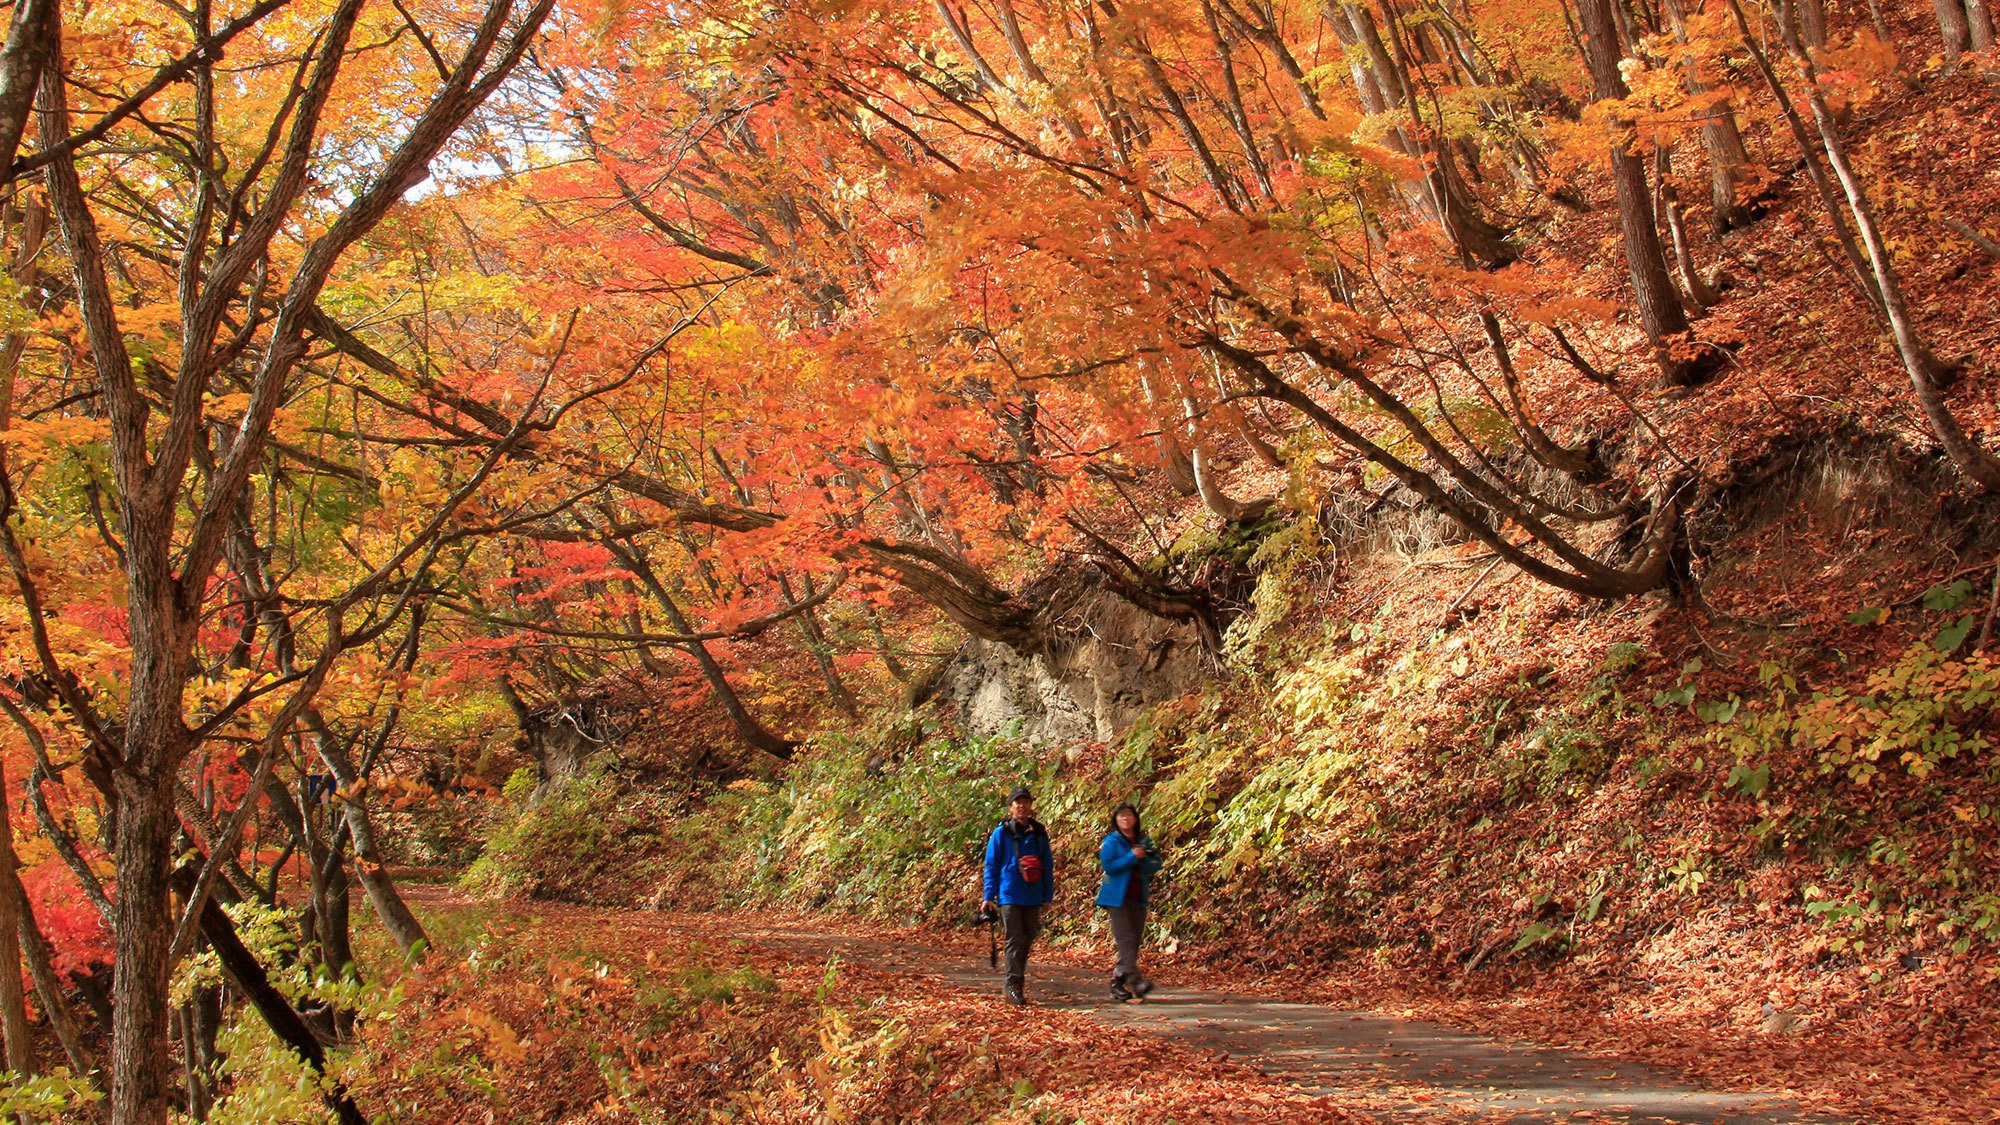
column 1110, row 660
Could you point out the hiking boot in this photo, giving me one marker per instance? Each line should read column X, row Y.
column 1119, row 992
column 1140, row 987
column 1014, row 993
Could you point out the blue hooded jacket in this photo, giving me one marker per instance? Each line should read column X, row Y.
column 1115, row 856
column 1004, row 850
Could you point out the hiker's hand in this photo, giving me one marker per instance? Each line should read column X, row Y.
column 1138, row 851
column 989, row 907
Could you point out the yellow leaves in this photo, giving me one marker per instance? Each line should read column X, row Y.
column 30, row 442
column 412, row 486
column 444, row 290
column 503, row 1044
column 1571, row 309
column 227, row 408
column 156, row 321
column 1854, row 71
column 552, row 338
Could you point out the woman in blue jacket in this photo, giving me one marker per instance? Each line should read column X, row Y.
column 1129, row 860
column 1020, row 880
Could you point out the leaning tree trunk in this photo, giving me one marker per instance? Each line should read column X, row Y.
column 1967, row 455
column 336, row 941
column 1699, row 294
column 29, row 44
column 246, row 976
column 821, row 649
column 747, row 726
column 396, row 916
column 48, row 987
column 394, row 913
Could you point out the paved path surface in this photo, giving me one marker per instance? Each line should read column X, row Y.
column 1418, row 1072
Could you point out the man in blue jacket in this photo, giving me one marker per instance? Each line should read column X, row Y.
column 1020, row 880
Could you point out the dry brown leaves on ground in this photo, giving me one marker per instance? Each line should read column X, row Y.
column 562, row 1014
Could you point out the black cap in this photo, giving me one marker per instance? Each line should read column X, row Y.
column 1020, row 793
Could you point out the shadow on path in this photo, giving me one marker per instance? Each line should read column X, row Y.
column 1413, row 1071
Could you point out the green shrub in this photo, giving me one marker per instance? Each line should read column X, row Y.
column 1824, row 767
column 520, row 785
column 56, row 1096
column 852, row 828
column 588, row 840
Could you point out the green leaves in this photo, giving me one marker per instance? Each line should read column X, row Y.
column 1947, row 597
column 1917, row 714
column 1718, row 710
column 45, row 1094
column 1953, row 635
column 1535, row 935
column 1749, row 780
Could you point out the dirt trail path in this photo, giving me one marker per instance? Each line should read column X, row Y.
column 1413, row 1071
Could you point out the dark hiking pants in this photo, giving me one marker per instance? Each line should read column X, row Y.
column 1128, row 922
column 1020, row 924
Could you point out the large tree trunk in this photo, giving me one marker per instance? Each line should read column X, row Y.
column 1963, row 24
column 1728, row 165
column 1174, row 461
column 30, row 43
column 1728, row 158
column 1659, row 302
column 1979, row 24
column 175, row 531
column 1811, row 16
column 143, row 931
column 1957, row 33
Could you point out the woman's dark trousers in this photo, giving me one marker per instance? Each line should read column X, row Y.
column 1128, row 923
